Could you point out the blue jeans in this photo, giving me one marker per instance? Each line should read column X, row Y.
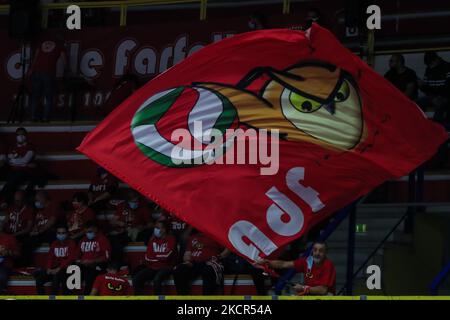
column 42, row 85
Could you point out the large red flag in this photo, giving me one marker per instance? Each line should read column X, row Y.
column 344, row 130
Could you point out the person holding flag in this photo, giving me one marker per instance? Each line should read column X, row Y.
column 319, row 272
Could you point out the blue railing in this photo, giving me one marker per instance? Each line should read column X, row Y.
column 434, row 286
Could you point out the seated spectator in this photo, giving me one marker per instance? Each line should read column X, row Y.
column 9, row 250
column 128, row 221
column 319, row 272
column 402, row 77
column 436, row 86
column 19, row 217
column 181, row 230
column 102, row 188
column 201, row 259
column 22, row 167
column 79, row 216
column 43, row 227
column 62, row 253
column 160, row 259
column 111, row 283
column 94, row 253
column 2, row 162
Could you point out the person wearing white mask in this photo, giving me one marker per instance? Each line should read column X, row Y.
column 130, row 218
column 22, row 168
column 160, row 258
column 46, row 214
column 319, row 272
column 62, row 253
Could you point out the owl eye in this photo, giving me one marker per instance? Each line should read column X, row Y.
column 343, row 92
column 110, row 286
column 119, row 287
column 303, row 104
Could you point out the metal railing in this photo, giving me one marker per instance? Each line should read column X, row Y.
column 124, row 5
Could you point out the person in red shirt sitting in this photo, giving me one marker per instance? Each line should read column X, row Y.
column 8, row 251
column 62, row 253
column 319, row 272
column 19, row 217
column 43, row 75
column 94, row 254
column 111, row 283
column 22, row 167
column 202, row 258
column 160, row 259
column 43, row 227
column 102, row 188
column 129, row 219
column 77, row 218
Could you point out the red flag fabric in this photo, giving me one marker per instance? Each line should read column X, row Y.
column 344, row 130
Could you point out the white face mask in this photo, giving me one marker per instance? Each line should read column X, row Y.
column 21, row 138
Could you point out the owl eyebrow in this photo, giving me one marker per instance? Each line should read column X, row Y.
column 259, row 71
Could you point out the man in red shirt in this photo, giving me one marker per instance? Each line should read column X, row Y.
column 129, row 219
column 319, row 272
column 8, row 251
column 103, row 187
column 111, row 283
column 43, row 227
column 62, row 253
column 159, row 258
column 77, row 218
column 19, row 217
column 22, row 167
column 94, row 254
column 43, row 76
column 202, row 258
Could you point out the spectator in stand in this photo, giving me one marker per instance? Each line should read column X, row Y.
column 128, row 221
column 160, row 259
column 124, row 88
column 257, row 22
column 2, row 160
column 436, row 86
column 22, row 167
column 181, row 230
column 402, row 77
column 111, row 283
column 43, row 227
column 62, row 253
column 103, row 187
column 9, row 250
column 77, row 218
column 94, row 254
column 319, row 272
column 43, row 75
column 201, row 259
column 19, row 218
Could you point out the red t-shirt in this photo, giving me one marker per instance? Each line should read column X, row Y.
column 202, row 248
column 96, row 248
column 44, row 215
column 161, row 252
column 62, row 254
column 20, row 152
column 110, row 284
column 10, row 243
column 133, row 218
column 99, row 185
column 48, row 55
column 18, row 218
column 76, row 219
column 323, row 275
